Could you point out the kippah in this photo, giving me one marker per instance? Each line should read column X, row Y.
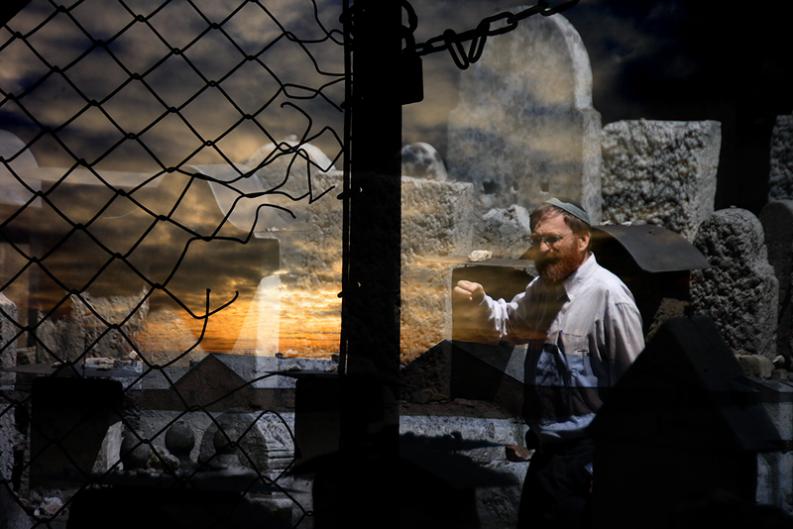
column 570, row 208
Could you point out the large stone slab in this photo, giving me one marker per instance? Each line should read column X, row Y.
column 777, row 219
column 436, row 218
column 739, row 290
column 436, row 227
column 780, row 178
column 525, row 129
column 660, row 172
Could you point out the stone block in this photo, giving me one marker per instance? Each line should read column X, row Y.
column 660, row 172
column 738, row 290
column 777, row 219
column 436, row 218
column 780, row 178
column 524, row 128
column 436, row 227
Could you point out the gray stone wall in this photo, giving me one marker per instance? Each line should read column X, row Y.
column 739, row 290
column 660, row 172
column 524, row 128
column 780, row 181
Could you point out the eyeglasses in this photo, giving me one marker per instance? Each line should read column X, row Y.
column 550, row 240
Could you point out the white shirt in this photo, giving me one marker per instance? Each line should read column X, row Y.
column 583, row 334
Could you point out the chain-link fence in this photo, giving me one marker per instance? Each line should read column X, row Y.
column 150, row 151
column 169, row 189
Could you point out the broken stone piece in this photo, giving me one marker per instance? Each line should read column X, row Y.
column 480, row 255
column 755, row 365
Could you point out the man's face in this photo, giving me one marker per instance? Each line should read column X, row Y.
column 558, row 252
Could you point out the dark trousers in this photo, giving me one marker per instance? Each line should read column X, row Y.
column 556, row 490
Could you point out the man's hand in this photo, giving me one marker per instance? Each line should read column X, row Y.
column 468, row 291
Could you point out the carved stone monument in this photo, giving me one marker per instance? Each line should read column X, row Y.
column 738, row 291
column 525, row 129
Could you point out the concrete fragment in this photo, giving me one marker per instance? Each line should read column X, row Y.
column 660, row 172
column 739, row 290
column 780, row 178
column 777, row 219
column 422, row 160
column 525, row 129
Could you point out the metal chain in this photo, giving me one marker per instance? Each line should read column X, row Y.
column 497, row 24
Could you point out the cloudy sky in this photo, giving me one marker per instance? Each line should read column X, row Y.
column 220, row 83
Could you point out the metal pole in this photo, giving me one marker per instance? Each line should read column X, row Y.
column 371, row 270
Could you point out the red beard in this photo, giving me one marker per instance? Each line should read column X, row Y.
column 557, row 269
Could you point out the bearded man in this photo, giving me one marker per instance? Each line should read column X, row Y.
column 582, row 329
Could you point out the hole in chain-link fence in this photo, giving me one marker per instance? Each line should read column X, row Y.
column 156, row 160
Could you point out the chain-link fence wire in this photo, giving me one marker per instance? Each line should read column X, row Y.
column 130, row 107
column 124, row 108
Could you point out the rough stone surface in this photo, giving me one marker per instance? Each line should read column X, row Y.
column 780, row 178
column 775, row 469
column 755, row 366
column 265, row 443
column 436, row 218
column 525, row 129
column 8, row 431
column 739, row 290
column 422, row 160
column 8, row 346
column 262, row 442
column 777, row 219
column 110, row 452
column 83, row 334
column 504, row 231
column 660, row 172
column 497, row 507
column 436, row 226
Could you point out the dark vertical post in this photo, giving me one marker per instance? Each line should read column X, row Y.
column 371, row 297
